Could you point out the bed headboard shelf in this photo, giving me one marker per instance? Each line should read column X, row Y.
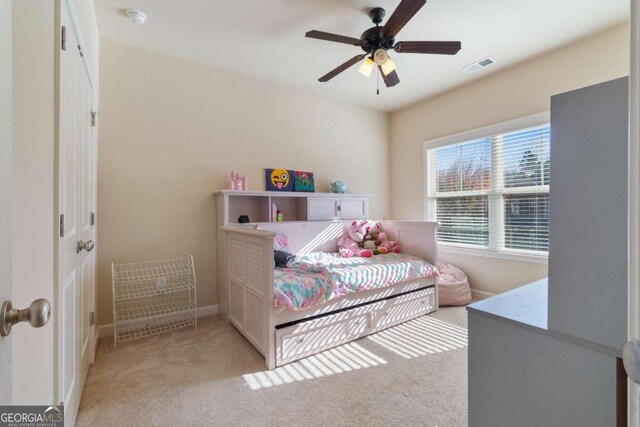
column 287, row 194
column 295, row 206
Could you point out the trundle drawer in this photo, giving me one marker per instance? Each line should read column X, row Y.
column 405, row 307
column 293, row 345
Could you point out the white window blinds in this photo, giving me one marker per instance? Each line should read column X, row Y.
column 492, row 192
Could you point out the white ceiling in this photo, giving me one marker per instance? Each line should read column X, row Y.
column 265, row 39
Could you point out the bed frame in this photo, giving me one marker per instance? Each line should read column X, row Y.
column 248, row 298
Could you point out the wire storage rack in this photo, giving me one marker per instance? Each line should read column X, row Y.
column 153, row 297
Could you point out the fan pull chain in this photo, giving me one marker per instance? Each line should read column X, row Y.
column 377, row 84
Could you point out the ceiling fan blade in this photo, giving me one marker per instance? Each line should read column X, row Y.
column 331, row 74
column 403, row 13
column 391, row 79
column 321, row 35
column 438, row 48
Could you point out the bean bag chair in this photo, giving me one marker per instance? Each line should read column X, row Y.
column 453, row 286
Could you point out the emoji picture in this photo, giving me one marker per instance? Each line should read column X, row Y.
column 279, row 179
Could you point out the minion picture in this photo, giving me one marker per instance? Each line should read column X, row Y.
column 279, row 179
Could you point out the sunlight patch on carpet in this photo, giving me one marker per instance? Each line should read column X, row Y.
column 345, row 358
column 420, row 337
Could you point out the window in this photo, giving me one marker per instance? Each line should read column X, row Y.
column 491, row 192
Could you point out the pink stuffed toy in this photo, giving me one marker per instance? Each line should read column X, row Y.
column 348, row 244
column 384, row 245
column 390, row 246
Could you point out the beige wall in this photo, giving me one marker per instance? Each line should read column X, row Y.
column 515, row 92
column 170, row 132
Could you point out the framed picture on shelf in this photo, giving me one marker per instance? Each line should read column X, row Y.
column 279, row 180
column 304, row 181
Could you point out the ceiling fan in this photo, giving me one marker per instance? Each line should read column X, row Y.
column 377, row 40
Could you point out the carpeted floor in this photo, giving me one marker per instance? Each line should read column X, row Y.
column 413, row 374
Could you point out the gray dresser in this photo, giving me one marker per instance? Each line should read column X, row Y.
column 547, row 354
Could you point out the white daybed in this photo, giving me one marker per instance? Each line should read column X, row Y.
column 287, row 335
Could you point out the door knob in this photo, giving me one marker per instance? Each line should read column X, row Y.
column 631, row 360
column 37, row 314
column 87, row 246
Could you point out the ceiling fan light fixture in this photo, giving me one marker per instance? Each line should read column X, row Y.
column 388, row 67
column 376, row 41
column 366, row 67
column 380, row 56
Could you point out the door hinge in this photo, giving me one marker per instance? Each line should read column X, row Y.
column 94, row 116
column 92, row 318
column 63, row 37
column 61, row 225
column 92, row 218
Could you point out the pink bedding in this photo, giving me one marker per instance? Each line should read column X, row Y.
column 320, row 277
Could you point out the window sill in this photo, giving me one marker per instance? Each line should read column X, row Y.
column 488, row 253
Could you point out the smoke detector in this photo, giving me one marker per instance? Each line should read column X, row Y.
column 136, row 16
column 479, row 65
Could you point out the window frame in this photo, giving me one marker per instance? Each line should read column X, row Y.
column 495, row 196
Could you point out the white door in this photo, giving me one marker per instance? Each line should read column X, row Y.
column 5, row 192
column 353, row 208
column 322, row 208
column 77, row 234
column 26, row 355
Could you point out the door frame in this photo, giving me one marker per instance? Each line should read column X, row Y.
column 634, row 203
column 58, row 384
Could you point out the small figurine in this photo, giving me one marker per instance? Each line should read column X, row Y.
column 237, row 182
column 338, row 187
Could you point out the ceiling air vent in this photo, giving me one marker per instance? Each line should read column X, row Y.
column 479, row 65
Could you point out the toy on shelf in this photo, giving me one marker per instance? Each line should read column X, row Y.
column 237, row 182
column 338, row 187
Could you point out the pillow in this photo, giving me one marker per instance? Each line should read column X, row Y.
column 281, row 243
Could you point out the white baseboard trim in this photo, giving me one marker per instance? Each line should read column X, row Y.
column 207, row 310
column 480, row 295
column 105, row 330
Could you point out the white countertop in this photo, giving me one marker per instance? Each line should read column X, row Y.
column 526, row 307
column 526, row 304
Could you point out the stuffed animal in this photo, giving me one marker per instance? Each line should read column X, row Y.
column 386, row 246
column 283, row 259
column 390, row 246
column 371, row 238
column 377, row 240
column 349, row 243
